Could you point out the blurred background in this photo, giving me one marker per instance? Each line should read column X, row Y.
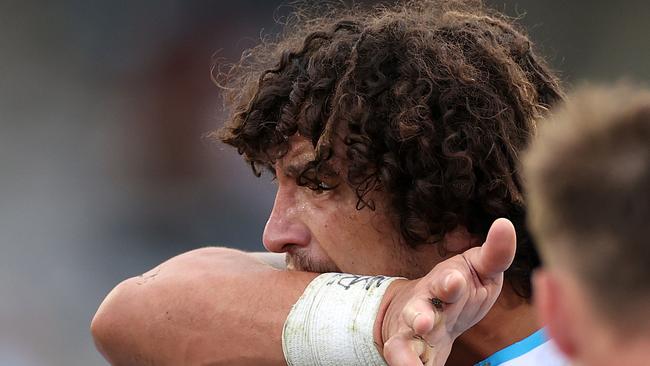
column 104, row 171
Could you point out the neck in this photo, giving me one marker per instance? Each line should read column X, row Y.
column 630, row 349
column 510, row 320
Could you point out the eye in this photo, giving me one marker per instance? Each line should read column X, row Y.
column 321, row 187
column 317, row 184
column 325, row 186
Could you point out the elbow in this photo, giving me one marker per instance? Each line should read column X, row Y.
column 113, row 326
column 132, row 326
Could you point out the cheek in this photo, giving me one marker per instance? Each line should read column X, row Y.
column 326, row 219
column 336, row 231
column 351, row 239
column 345, row 235
column 325, row 212
column 334, row 226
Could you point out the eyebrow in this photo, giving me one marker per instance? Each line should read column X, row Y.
column 296, row 169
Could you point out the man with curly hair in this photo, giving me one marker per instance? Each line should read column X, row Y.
column 394, row 134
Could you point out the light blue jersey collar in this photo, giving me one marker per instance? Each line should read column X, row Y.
column 515, row 350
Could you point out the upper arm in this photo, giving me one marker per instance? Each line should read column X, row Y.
column 199, row 308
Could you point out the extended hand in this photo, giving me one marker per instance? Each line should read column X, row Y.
column 427, row 315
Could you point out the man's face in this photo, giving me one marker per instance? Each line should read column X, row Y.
column 322, row 231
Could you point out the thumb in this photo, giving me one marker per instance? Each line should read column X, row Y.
column 498, row 251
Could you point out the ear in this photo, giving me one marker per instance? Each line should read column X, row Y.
column 554, row 311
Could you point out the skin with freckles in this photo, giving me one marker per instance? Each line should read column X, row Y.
column 321, row 230
column 367, row 242
column 197, row 296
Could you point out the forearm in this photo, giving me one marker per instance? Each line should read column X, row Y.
column 211, row 306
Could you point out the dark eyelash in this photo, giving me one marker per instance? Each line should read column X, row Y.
column 329, row 188
column 313, row 183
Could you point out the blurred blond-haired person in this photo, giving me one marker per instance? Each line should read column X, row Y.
column 588, row 177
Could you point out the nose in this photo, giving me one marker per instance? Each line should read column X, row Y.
column 285, row 227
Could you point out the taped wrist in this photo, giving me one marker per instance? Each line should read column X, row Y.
column 332, row 322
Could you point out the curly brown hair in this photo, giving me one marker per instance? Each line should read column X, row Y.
column 435, row 99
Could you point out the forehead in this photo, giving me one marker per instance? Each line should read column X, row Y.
column 301, row 151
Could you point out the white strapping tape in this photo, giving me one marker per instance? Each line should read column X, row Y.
column 332, row 322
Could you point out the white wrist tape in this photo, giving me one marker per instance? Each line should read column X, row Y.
column 332, row 322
